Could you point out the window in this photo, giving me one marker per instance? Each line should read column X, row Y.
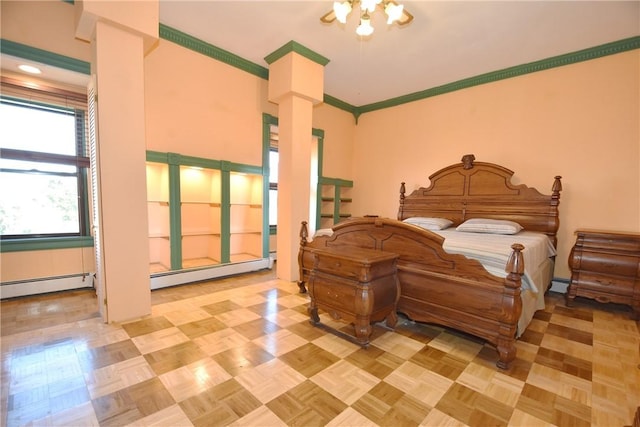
column 43, row 169
column 273, row 177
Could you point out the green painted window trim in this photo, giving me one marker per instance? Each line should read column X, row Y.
column 339, row 182
column 61, row 242
column 267, row 121
column 45, row 243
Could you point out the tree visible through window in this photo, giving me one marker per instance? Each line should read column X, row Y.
column 43, row 169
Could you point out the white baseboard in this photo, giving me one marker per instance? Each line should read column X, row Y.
column 559, row 286
column 174, row 278
column 42, row 286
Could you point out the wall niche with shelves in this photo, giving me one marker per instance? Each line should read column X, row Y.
column 246, row 217
column 158, row 217
column 204, row 215
column 334, row 201
column 200, row 204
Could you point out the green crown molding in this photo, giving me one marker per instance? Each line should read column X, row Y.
column 507, row 73
column 519, row 70
column 23, row 51
column 335, row 102
column 192, row 43
column 20, row 50
column 299, row 49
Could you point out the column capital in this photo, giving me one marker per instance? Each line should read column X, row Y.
column 138, row 17
column 295, row 70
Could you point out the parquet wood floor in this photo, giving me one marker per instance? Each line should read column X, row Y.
column 241, row 351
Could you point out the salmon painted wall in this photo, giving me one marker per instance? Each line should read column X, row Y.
column 47, row 25
column 200, row 107
column 580, row 121
column 54, row 21
column 339, row 132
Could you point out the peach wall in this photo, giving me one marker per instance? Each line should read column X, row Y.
column 47, row 25
column 54, row 21
column 339, row 132
column 580, row 121
column 201, row 107
column 16, row 266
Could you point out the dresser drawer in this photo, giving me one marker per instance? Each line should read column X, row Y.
column 605, row 266
column 333, row 292
column 603, row 282
column 605, row 262
column 620, row 243
column 355, row 263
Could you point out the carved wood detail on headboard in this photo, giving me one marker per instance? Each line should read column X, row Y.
column 471, row 189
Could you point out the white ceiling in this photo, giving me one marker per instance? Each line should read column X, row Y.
column 446, row 42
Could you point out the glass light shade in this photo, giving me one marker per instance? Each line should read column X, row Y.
column 342, row 10
column 365, row 28
column 394, row 12
column 369, row 5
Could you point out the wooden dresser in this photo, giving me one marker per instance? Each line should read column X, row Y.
column 605, row 266
column 354, row 285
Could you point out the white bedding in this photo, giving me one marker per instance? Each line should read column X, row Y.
column 493, row 250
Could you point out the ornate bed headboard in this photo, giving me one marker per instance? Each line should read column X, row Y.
column 471, row 189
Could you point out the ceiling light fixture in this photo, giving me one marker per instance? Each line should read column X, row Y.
column 341, row 9
column 29, row 69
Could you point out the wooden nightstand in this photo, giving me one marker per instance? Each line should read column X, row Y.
column 605, row 266
column 356, row 286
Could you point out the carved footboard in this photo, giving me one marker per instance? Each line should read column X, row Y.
column 435, row 286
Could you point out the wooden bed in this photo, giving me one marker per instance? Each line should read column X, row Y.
column 449, row 289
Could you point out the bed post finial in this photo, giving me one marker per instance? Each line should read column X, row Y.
column 556, row 189
column 401, row 207
column 304, row 233
column 467, row 161
column 515, row 264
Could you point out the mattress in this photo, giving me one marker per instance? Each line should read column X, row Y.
column 493, row 250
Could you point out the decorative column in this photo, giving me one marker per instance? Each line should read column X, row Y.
column 296, row 84
column 121, row 33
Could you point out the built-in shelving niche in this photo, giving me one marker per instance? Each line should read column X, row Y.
column 206, row 219
column 334, row 201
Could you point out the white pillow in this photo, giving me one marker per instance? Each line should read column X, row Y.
column 429, row 223
column 493, row 226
